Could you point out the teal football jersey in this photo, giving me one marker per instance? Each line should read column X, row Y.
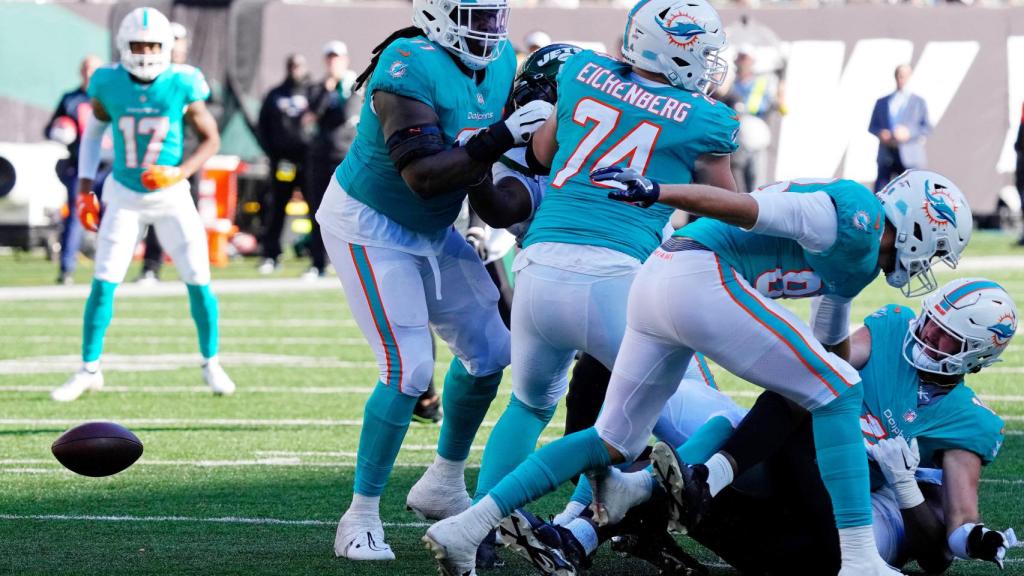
column 781, row 268
column 897, row 404
column 419, row 69
column 147, row 119
column 606, row 117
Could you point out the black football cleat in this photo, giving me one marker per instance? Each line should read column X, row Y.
column 686, row 488
column 643, row 534
column 427, row 411
column 487, row 553
column 552, row 550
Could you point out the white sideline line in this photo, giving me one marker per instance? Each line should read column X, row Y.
column 17, row 464
column 250, row 422
column 218, row 520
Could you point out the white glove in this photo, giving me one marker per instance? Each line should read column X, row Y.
column 898, row 461
column 527, row 119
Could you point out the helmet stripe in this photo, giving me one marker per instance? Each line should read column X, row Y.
column 145, row 18
column 965, row 290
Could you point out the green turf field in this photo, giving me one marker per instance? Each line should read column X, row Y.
column 255, row 483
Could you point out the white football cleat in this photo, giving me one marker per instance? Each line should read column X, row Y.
column 78, row 384
column 615, row 492
column 435, row 497
column 218, row 379
column 453, row 547
column 361, row 538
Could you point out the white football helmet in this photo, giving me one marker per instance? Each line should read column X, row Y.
column 976, row 312
column 680, row 39
column 932, row 220
column 145, row 25
column 473, row 30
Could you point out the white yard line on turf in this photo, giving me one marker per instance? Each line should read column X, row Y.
column 200, row 422
column 131, row 290
column 150, row 362
column 219, row 520
column 190, row 339
column 184, row 322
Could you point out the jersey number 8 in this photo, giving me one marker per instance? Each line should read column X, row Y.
column 155, row 126
column 637, row 145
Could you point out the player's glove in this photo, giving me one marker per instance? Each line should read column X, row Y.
column 88, row 208
column 489, row 144
column 477, row 238
column 898, row 462
column 156, row 177
column 990, row 545
column 630, row 186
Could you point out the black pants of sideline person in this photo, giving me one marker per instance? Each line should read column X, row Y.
column 320, row 169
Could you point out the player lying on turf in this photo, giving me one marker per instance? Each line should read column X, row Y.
column 581, row 251
column 387, row 221
column 147, row 99
column 913, row 376
column 696, row 294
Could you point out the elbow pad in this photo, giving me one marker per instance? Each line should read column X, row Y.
column 410, row 144
column 830, row 319
column 89, row 147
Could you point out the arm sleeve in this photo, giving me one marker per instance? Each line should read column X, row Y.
column 810, row 219
column 830, row 318
column 89, row 148
column 402, row 70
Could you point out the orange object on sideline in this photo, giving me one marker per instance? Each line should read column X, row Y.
column 218, row 199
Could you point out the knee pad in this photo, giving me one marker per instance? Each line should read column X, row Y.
column 416, row 374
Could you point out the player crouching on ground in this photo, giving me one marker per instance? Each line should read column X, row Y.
column 146, row 98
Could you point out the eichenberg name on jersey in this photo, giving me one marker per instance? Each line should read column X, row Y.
column 631, row 93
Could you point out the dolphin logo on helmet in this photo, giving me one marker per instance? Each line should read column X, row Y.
column 937, row 202
column 685, row 31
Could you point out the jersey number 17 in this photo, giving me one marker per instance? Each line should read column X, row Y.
column 637, row 144
column 155, row 126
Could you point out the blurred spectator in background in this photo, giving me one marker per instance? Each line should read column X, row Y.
column 153, row 256
column 1019, row 176
column 284, row 130
column 755, row 97
column 66, row 127
column 535, row 40
column 900, row 121
column 336, row 109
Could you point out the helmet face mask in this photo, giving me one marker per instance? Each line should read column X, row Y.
column 932, row 221
column 475, row 32
column 975, row 319
column 537, row 77
column 680, row 40
column 145, row 26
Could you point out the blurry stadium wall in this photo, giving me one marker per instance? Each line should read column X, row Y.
column 969, row 67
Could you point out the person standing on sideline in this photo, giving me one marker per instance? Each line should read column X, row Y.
column 66, row 126
column 153, row 257
column 900, row 121
column 336, row 107
column 285, row 125
column 1018, row 145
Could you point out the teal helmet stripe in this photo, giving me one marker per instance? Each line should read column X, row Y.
column 145, row 18
column 629, row 19
column 965, row 290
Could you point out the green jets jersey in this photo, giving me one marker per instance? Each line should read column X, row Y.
column 781, row 268
column 417, row 68
column 897, row 403
column 608, row 116
column 147, row 119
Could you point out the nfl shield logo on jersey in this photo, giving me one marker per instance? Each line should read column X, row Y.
column 909, row 416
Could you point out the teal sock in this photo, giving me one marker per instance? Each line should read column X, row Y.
column 205, row 314
column 546, row 469
column 99, row 309
column 583, row 493
column 385, row 421
column 706, row 440
column 513, row 439
column 840, row 449
column 465, row 400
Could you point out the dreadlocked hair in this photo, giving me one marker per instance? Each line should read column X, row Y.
column 409, row 32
